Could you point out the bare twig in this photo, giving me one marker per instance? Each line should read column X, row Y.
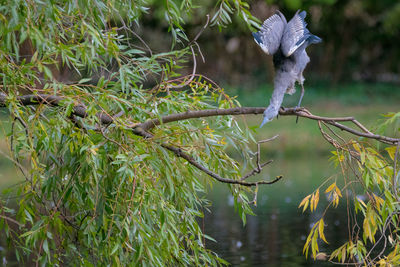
column 180, row 153
column 326, row 136
column 385, row 226
column 112, row 140
column 191, row 76
column 254, row 202
column 269, row 139
column 201, row 31
column 333, row 132
column 259, row 166
column 11, row 220
column 257, row 170
column 193, row 42
column 200, row 53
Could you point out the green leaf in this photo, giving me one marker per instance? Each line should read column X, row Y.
column 85, row 80
column 46, row 247
column 115, row 249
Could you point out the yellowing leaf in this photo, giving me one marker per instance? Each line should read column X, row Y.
column 314, row 246
column 330, row 187
column 222, row 141
column 357, row 147
column 321, row 230
column 362, row 157
column 304, row 202
column 361, row 202
column 368, row 231
column 315, row 200
column 372, row 218
column 94, row 151
column 338, row 192
column 343, row 255
column 378, row 201
column 209, row 129
column 391, row 151
column 382, row 262
column 335, row 199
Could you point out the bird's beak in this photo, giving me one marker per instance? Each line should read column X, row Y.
column 265, row 120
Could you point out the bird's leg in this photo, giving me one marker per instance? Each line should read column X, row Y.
column 301, row 95
column 301, row 98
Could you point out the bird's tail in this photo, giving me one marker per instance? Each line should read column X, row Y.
column 313, row 39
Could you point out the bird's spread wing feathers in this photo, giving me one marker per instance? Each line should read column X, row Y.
column 270, row 35
column 295, row 34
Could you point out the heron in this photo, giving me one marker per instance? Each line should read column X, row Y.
column 287, row 42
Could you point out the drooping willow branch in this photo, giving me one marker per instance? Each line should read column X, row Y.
column 180, row 153
column 142, row 129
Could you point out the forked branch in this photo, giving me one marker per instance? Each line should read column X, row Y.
column 180, row 153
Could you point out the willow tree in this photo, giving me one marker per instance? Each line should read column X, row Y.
column 100, row 188
column 115, row 144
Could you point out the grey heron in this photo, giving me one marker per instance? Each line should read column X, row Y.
column 287, row 42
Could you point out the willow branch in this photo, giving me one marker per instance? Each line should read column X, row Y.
column 301, row 112
column 142, row 129
column 80, row 111
column 180, row 153
column 53, row 100
column 191, row 114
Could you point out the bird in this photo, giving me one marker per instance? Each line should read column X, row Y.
column 287, row 42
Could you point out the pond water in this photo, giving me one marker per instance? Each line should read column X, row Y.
column 276, row 235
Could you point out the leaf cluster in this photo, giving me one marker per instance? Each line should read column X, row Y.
column 101, row 195
column 371, row 182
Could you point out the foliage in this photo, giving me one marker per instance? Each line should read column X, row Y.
column 97, row 195
column 371, row 177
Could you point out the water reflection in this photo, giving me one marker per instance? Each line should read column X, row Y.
column 276, row 235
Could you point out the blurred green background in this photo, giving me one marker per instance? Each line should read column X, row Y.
column 360, row 42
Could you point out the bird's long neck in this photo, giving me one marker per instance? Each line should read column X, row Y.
column 277, row 98
column 280, row 86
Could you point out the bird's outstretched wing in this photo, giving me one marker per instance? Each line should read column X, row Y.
column 295, row 34
column 270, row 35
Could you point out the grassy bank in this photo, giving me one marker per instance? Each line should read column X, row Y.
column 319, row 93
column 366, row 102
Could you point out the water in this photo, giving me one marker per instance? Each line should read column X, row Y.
column 276, row 235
